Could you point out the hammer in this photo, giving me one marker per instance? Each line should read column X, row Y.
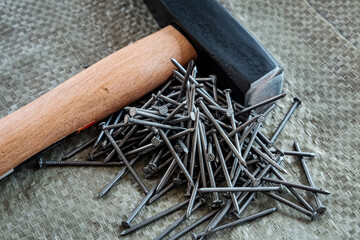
column 200, row 29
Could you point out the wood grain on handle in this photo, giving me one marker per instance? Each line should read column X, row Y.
column 91, row 95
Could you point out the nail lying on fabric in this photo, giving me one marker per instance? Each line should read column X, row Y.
column 196, row 137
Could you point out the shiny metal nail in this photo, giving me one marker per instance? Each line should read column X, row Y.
column 117, row 119
column 222, row 133
column 166, row 176
column 295, row 104
column 139, row 112
column 295, row 185
column 234, row 223
column 77, row 163
column 193, row 225
column 161, row 193
column 320, row 207
column 78, row 149
column 225, row 171
column 126, row 162
column 168, row 100
column 126, row 223
column 154, row 218
column 251, row 140
column 193, row 197
column 268, row 159
column 154, row 124
column 175, row 111
column 193, row 150
column 263, row 103
column 186, row 78
column 116, row 179
column 177, row 222
column 154, row 162
column 298, row 153
column 102, row 131
column 200, row 157
column 182, row 146
column 239, row 189
column 312, row 215
column 122, row 142
column 294, row 191
column 176, row 157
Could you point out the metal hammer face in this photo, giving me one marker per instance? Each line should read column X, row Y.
column 239, row 60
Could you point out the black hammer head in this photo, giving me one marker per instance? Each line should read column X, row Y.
column 239, row 60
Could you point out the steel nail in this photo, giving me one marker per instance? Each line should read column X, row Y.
column 176, row 157
column 293, row 191
column 79, row 149
column 161, row 166
column 299, row 153
column 216, row 200
column 239, row 189
column 269, row 160
column 167, row 175
column 233, row 125
column 118, row 125
column 122, row 142
column 117, row 119
column 191, row 106
column 312, row 215
column 267, row 101
column 139, row 112
column 154, row 124
column 126, row 223
column 225, row 171
column 154, row 218
column 175, row 111
column 320, row 207
column 161, row 193
column 214, row 88
column 251, row 141
column 193, row 197
column 210, row 156
column 235, row 223
column 177, row 222
column 182, row 146
column 221, row 131
column 295, row 185
column 95, row 155
column 186, row 78
column 295, row 104
column 77, row 163
column 153, row 162
column 193, row 150
column 194, row 225
column 126, row 162
column 200, row 145
column 102, row 131
column 168, row 100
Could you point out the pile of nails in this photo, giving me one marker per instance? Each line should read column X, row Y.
column 200, row 138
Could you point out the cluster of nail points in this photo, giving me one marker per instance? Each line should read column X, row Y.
column 203, row 142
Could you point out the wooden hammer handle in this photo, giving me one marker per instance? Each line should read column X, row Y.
column 91, row 95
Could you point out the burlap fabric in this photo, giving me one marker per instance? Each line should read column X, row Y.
column 43, row 43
